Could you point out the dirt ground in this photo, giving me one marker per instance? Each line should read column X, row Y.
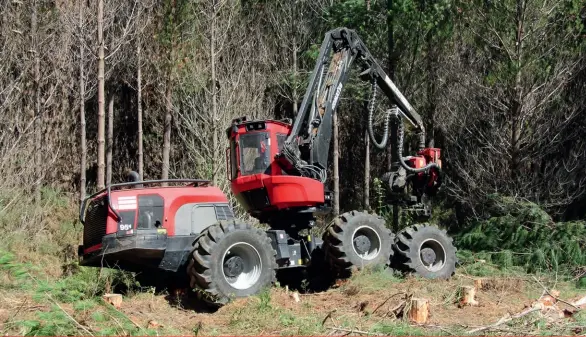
column 368, row 303
column 358, row 304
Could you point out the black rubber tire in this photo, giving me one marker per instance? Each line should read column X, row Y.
column 407, row 251
column 205, row 266
column 339, row 246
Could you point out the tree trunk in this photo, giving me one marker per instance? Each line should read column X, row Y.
column 336, row 164
column 431, row 61
column 168, row 103
column 139, row 105
column 391, row 48
column 38, row 113
column 517, row 104
column 110, row 141
column 295, row 67
column 167, row 134
column 83, row 141
column 101, row 96
column 366, row 200
column 214, row 96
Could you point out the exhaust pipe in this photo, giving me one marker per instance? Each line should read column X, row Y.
column 133, row 177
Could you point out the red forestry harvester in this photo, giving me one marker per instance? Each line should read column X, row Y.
column 277, row 171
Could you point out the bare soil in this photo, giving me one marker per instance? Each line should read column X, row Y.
column 363, row 301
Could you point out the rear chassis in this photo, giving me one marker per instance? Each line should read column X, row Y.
column 109, row 243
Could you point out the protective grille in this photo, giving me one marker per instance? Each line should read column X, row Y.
column 95, row 222
column 224, row 213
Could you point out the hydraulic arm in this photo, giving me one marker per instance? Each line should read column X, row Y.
column 306, row 149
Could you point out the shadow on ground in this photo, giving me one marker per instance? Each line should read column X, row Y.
column 317, row 277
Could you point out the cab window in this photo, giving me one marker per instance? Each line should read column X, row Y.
column 254, row 153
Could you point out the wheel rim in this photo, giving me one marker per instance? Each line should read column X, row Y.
column 366, row 243
column 432, row 254
column 241, row 265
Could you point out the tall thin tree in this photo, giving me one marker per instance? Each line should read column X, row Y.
column 38, row 113
column 213, row 42
column 139, row 106
column 82, row 121
column 101, row 97
column 110, row 140
column 169, row 95
column 366, row 194
column 336, row 163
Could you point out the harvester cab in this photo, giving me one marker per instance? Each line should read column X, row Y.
column 266, row 191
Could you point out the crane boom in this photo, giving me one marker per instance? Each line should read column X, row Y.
column 307, row 146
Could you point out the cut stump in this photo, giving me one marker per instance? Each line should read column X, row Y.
column 114, row 299
column 419, row 312
column 467, row 296
column 479, row 284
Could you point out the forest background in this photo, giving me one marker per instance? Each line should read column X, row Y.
column 92, row 89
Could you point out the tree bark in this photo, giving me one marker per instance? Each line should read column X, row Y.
column 336, row 164
column 366, row 196
column 101, row 96
column 517, row 104
column 110, row 141
column 295, row 67
column 83, row 140
column 214, row 95
column 431, row 60
column 391, row 48
column 168, row 103
column 139, row 105
column 38, row 113
column 366, row 200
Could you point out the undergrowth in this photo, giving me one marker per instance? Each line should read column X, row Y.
column 520, row 233
column 80, row 292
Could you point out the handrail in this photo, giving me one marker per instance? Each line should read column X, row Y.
column 108, row 189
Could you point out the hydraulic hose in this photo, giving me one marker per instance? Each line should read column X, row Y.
column 383, row 143
column 401, row 130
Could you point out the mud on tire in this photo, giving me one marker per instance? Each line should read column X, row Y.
column 425, row 250
column 231, row 260
column 357, row 239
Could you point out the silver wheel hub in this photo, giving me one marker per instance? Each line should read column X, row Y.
column 432, row 254
column 366, row 242
column 242, row 265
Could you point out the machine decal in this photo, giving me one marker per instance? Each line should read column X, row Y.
column 127, row 203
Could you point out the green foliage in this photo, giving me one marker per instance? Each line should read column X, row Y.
column 52, row 323
column 379, row 196
column 398, row 329
column 520, row 233
column 264, row 304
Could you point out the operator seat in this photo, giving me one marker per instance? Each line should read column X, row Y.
column 260, row 165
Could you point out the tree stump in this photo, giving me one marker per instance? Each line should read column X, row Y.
column 419, row 311
column 479, row 284
column 467, row 294
column 114, row 299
